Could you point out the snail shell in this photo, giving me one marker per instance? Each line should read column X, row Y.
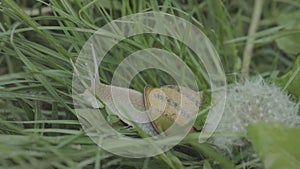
column 171, row 104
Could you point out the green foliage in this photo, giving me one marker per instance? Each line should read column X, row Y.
column 277, row 145
column 291, row 80
column 291, row 41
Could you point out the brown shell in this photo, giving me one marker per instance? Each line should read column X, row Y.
column 167, row 103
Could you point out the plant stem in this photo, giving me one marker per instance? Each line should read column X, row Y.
column 258, row 4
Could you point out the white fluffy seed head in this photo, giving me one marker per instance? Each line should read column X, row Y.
column 253, row 101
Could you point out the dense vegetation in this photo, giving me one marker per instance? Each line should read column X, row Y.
column 40, row 41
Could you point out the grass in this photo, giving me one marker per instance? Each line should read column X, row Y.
column 39, row 44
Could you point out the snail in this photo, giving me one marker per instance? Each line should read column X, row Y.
column 164, row 104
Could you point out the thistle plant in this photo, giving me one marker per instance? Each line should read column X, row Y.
column 250, row 102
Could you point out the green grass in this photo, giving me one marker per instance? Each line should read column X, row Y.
column 38, row 127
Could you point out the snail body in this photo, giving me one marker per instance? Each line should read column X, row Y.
column 166, row 105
